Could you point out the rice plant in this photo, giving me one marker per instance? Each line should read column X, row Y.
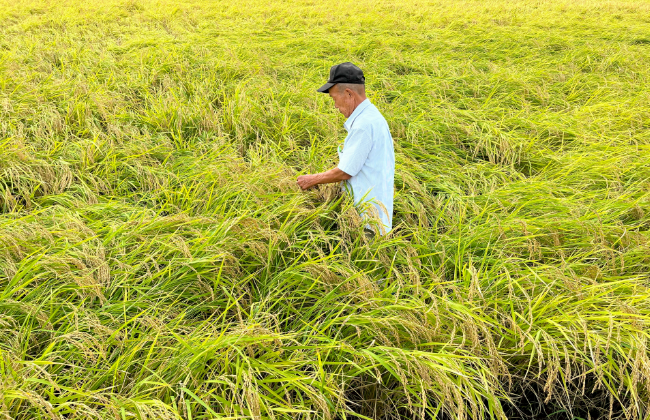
column 158, row 261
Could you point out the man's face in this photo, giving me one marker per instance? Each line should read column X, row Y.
column 343, row 100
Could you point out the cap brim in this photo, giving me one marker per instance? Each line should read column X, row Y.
column 325, row 88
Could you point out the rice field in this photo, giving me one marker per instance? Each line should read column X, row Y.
column 158, row 260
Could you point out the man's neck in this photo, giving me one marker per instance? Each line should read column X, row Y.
column 358, row 100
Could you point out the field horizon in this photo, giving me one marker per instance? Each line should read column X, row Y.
column 158, row 260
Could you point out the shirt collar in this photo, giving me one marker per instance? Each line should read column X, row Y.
column 357, row 111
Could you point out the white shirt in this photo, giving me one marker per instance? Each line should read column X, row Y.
column 368, row 156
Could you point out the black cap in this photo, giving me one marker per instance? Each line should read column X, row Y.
column 343, row 73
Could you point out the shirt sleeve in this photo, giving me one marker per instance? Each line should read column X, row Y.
column 355, row 152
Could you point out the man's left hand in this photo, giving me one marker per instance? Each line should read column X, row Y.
column 306, row 181
column 333, row 175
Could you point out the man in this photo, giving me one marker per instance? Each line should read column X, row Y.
column 367, row 159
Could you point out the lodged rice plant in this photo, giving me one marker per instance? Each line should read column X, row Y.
column 158, row 261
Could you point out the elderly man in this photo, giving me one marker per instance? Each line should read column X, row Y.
column 367, row 158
